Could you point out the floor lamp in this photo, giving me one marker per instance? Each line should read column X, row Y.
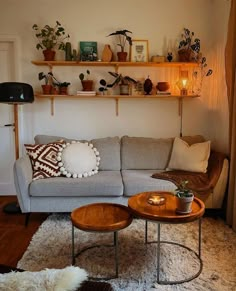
column 15, row 93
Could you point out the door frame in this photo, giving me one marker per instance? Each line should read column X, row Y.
column 15, row 41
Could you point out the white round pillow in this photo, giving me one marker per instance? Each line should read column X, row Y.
column 78, row 160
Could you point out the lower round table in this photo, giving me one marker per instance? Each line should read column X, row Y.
column 100, row 217
column 166, row 213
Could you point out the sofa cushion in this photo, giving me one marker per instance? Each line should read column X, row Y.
column 43, row 159
column 44, row 139
column 105, row 183
column 109, row 149
column 145, row 153
column 193, row 158
column 136, row 181
column 78, row 160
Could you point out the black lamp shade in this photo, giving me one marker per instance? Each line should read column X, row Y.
column 16, row 93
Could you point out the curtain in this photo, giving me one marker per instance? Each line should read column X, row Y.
column 230, row 63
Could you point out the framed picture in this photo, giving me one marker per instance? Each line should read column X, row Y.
column 139, row 51
column 88, row 50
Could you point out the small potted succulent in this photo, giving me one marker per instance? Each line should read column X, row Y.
column 47, row 87
column 50, row 38
column 189, row 47
column 87, row 83
column 184, row 198
column 122, row 81
column 122, row 38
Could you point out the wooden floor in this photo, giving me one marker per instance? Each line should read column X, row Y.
column 14, row 235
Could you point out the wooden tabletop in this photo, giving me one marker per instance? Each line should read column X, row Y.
column 101, row 217
column 139, row 206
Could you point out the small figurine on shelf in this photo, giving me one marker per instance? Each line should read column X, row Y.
column 169, row 56
column 147, row 86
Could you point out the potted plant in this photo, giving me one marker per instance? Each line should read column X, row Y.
column 184, row 197
column 50, row 38
column 199, row 74
column 122, row 81
column 87, row 84
column 47, row 87
column 122, row 38
column 104, row 86
column 189, row 47
column 62, row 87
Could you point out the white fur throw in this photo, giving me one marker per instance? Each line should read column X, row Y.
column 67, row 279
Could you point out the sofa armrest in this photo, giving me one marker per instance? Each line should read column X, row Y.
column 23, row 174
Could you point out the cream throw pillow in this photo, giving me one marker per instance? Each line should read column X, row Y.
column 78, row 160
column 193, row 158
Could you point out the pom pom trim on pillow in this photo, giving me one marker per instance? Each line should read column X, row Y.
column 74, row 155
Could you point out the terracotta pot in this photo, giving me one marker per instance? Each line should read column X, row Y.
column 122, row 56
column 163, row 86
column 184, row 55
column 87, row 85
column 54, row 91
column 47, row 89
column 49, row 55
column 64, row 90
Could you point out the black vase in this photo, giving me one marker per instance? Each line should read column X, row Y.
column 147, row 86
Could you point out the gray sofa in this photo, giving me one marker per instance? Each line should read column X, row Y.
column 126, row 167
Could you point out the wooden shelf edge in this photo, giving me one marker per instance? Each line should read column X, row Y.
column 118, row 64
column 39, row 95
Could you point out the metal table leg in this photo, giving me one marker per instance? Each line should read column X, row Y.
column 115, row 245
column 159, row 242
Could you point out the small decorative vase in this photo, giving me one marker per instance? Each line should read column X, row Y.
column 49, row 55
column 107, row 53
column 147, row 86
column 169, row 57
column 87, row 85
column 122, row 56
column 47, row 89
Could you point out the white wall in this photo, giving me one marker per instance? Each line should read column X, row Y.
column 161, row 23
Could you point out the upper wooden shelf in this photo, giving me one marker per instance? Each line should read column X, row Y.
column 115, row 64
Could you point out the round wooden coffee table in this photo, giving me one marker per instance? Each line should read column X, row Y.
column 101, row 217
column 166, row 213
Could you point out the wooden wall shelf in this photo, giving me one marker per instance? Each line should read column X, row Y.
column 51, row 64
column 115, row 97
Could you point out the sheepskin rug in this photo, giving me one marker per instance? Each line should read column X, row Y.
column 51, row 248
column 67, row 279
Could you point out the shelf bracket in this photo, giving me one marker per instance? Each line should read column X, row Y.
column 52, row 105
column 117, row 106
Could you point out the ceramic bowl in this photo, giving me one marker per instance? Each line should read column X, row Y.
column 163, row 86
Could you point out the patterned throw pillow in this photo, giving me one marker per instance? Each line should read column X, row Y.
column 43, row 158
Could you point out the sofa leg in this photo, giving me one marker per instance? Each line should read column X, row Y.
column 27, row 216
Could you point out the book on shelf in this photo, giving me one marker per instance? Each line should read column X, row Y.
column 88, row 51
column 163, row 93
column 90, row 93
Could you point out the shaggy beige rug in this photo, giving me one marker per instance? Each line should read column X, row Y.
column 51, row 248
